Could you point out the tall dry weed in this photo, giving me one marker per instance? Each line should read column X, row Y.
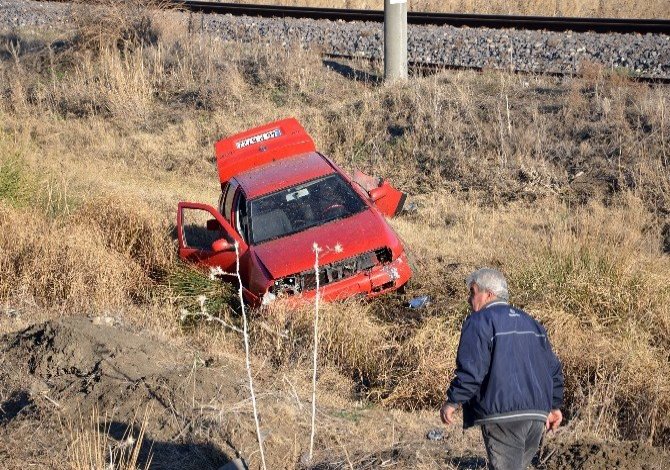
column 600, row 288
column 111, row 85
column 122, row 24
column 423, row 366
column 63, row 265
column 499, row 135
column 130, row 229
column 350, row 338
column 106, row 253
column 616, row 384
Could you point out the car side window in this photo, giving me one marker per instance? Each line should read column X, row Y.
column 241, row 219
column 222, row 198
column 226, row 208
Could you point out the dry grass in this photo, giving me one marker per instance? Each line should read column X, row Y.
column 568, row 196
column 104, row 253
column 350, row 338
column 93, row 448
column 588, row 8
column 124, row 24
column 129, row 229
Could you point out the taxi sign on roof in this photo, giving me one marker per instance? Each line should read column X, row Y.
column 274, row 133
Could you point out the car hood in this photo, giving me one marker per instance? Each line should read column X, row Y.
column 339, row 239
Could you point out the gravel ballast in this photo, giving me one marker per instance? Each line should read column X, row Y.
column 528, row 51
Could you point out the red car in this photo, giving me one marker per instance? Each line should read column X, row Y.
column 279, row 197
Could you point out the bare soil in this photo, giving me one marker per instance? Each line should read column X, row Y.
column 620, row 455
column 56, row 372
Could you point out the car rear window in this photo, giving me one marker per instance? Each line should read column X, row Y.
column 301, row 207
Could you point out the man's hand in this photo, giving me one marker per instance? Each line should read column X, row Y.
column 554, row 420
column 447, row 413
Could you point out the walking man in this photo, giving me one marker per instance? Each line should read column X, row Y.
column 508, row 380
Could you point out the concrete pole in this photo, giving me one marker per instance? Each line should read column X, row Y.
column 395, row 40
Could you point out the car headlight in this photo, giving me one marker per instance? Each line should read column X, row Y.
column 268, row 298
column 289, row 285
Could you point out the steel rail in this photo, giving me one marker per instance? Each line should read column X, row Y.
column 431, row 67
column 562, row 24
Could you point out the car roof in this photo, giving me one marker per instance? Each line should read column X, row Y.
column 283, row 173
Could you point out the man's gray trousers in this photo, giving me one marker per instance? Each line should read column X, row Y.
column 512, row 445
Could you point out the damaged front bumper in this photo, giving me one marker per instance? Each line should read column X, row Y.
column 376, row 280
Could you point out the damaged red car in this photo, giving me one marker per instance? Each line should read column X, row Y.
column 280, row 197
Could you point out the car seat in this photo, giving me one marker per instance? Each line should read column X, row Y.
column 270, row 225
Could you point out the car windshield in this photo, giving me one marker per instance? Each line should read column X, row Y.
column 301, row 207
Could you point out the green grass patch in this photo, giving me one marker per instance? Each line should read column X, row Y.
column 195, row 293
column 353, row 416
column 22, row 186
column 17, row 184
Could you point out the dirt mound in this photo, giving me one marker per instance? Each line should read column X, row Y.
column 620, row 455
column 63, row 369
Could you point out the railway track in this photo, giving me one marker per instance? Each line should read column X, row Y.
column 357, row 34
column 596, row 25
column 561, row 24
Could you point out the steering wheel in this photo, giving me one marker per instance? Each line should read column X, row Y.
column 332, row 208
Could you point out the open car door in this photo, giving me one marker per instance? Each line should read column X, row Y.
column 206, row 238
column 386, row 198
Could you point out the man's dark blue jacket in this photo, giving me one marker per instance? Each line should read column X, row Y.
column 505, row 368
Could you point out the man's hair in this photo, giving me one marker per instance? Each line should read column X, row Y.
column 491, row 280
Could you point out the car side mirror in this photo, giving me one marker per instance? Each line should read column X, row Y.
column 213, row 224
column 221, row 245
column 377, row 193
